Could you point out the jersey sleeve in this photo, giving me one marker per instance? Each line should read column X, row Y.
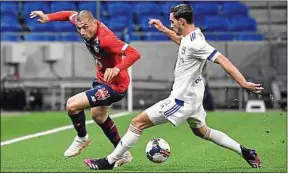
column 201, row 49
column 114, row 45
column 62, row 16
column 129, row 54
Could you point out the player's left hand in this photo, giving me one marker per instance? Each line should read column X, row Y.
column 252, row 87
column 110, row 73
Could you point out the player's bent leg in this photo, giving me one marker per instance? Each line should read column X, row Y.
column 223, row 140
column 138, row 124
column 99, row 114
column 101, row 117
column 75, row 107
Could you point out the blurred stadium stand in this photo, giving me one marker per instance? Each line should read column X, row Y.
column 236, row 20
column 256, row 28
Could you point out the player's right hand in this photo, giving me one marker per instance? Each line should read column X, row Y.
column 252, row 87
column 157, row 24
column 43, row 18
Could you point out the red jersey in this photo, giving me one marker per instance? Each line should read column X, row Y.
column 108, row 52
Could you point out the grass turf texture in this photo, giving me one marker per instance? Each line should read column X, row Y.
column 265, row 132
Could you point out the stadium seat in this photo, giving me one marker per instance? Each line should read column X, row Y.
column 143, row 23
column 32, row 6
column 63, row 26
column 242, row 23
column 7, row 37
column 206, row 8
column 135, row 37
column 119, row 8
column 225, row 37
column 234, row 8
column 63, row 5
column 10, row 23
column 38, row 37
column 9, row 7
column 118, row 24
column 166, row 6
column 211, row 37
column 146, row 8
column 250, row 37
column 88, row 5
column 70, row 37
column 105, row 20
column 216, row 24
column 35, row 26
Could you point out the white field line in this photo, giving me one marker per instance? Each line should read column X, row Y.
column 51, row 131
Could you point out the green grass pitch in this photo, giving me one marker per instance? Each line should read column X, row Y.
column 266, row 132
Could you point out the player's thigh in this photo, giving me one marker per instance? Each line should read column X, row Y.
column 197, row 119
column 100, row 113
column 173, row 110
column 103, row 95
column 78, row 102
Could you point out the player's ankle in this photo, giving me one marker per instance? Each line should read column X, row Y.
column 111, row 160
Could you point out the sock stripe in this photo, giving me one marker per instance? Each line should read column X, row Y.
column 134, row 130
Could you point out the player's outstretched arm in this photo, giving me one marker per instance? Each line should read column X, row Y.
column 238, row 77
column 58, row 16
column 170, row 33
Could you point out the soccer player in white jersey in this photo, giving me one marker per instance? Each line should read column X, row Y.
column 185, row 100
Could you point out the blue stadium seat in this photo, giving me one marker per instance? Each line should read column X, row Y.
column 143, row 23
column 35, row 26
column 119, row 8
column 118, row 24
column 234, row 8
column 135, row 37
column 166, row 6
column 146, row 8
column 105, row 20
column 38, row 37
column 225, row 37
column 216, row 24
column 211, row 37
column 33, row 6
column 71, row 37
column 250, row 37
column 88, row 5
column 199, row 21
column 9, row 7
column 63, row 6
column 156, row 37
column 63, row 26
column 242, row 23
column 10, row 23
column 6, row 37
column 206, row 8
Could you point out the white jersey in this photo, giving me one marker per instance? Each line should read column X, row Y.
column 192, row 54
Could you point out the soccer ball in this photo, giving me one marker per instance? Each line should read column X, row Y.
column 157, row 150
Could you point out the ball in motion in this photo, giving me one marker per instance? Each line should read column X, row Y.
column 157, row 150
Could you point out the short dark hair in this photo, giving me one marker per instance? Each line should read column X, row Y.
column 183, row 11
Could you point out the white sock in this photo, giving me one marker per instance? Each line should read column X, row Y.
column 223, row 140
column 126, row 142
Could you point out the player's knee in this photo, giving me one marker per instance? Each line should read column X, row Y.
column 71, row 106
column 141, row 122
column 200, row 132
column 98, row 115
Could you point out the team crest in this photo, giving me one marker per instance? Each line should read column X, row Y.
column 102, row 94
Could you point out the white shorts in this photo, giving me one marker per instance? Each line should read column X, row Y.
column 176, row 112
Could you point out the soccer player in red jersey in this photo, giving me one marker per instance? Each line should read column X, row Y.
column 108, row 87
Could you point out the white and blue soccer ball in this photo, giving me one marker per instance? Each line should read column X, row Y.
column 157, row 150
